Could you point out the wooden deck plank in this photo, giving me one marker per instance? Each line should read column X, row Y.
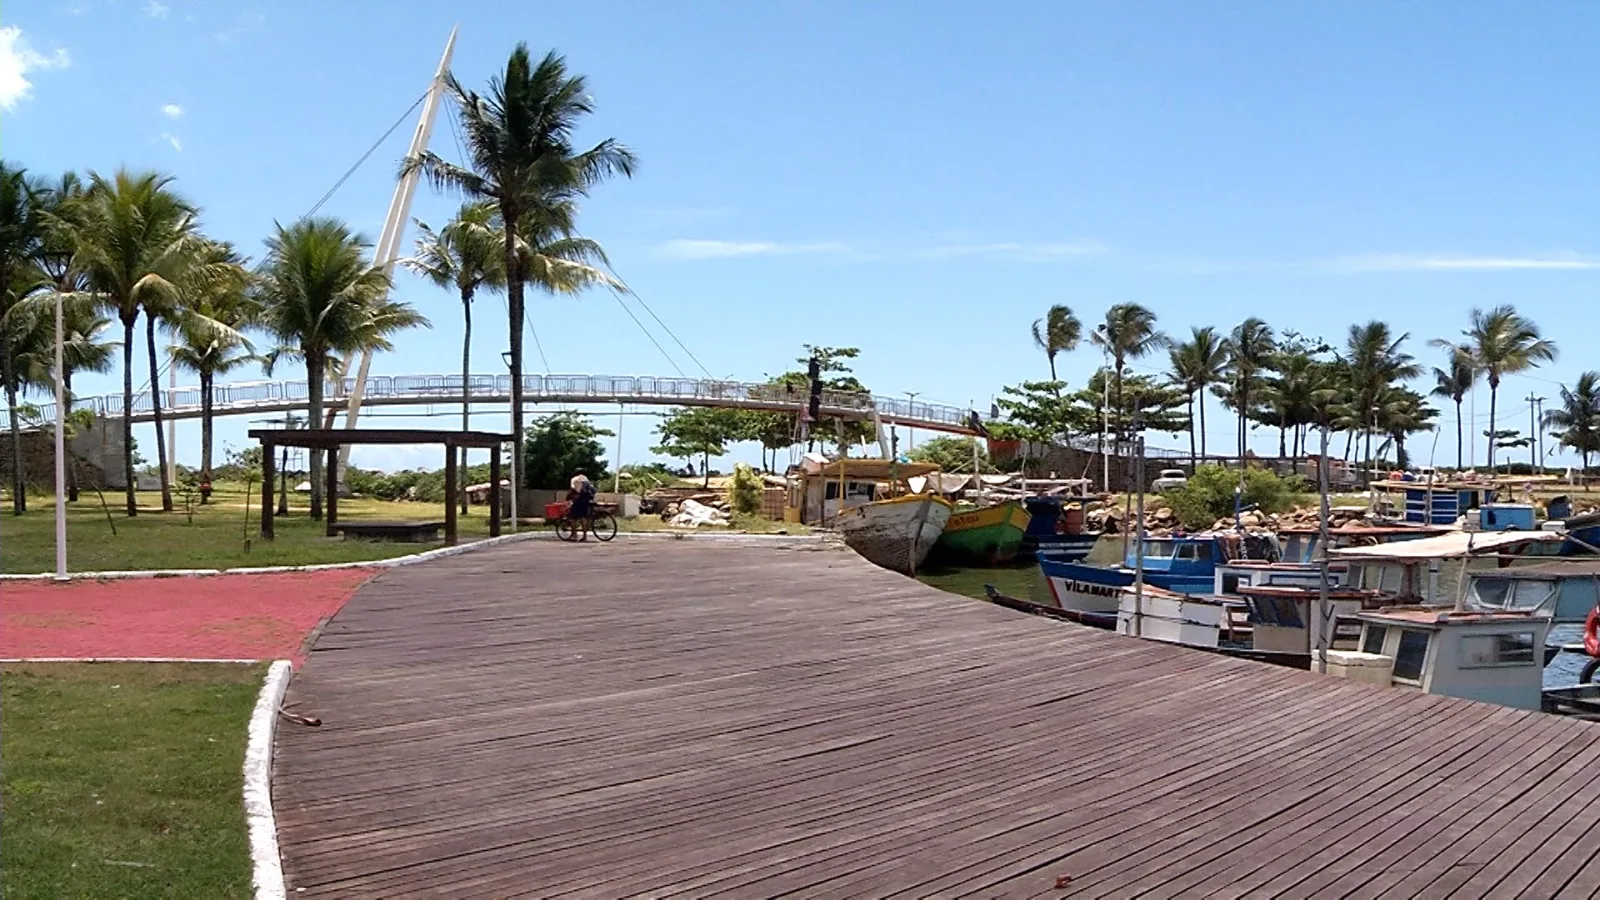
column 658, row 718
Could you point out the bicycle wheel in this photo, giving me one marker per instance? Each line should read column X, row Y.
column 566, row 529
column 604, row 526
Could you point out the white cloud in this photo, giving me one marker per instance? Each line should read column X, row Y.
column 1046, row 252
column 704, row 249
column 155, row 9
column 172, row 111
column 1424, row 263
column 173, row 140
column 17, row 59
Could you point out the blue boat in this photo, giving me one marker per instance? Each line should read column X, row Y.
column 1183, row 564
column 1043, row 537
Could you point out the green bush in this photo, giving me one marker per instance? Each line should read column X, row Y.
column 744, row 491
column 1209, row 494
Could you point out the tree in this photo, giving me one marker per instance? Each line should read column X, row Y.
column 465, row 255
column 136, row 240
column 521, row 156
column 1577, row 420
column 1129, row 332
column 321, row 295
column 702, row 431
column 1250, row 349
column 1504, row 343
column 1148, row 404
column 776, row 430
column 1197, row 364
column 207, row 337
column 1453, row 382
column 950, row 453
column 1057, row 332
column 1376, row 363
column 1039, row 412
column 21, row 235
column 1401, row 412
column 558, row 446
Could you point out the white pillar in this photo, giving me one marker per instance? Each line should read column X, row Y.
column 61, row 454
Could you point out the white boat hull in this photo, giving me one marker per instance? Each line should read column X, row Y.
column 1175, row 620
column 896, row 534
column 1084, row 596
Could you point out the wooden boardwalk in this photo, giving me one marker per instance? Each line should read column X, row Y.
column 692, row 719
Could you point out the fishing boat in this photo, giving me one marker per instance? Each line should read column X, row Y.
column 1056, row 523
column 897, row 533
column 1185, row 564
column 987, row 536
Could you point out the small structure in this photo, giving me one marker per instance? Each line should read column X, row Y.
column 820, row 489
column 1493, row 657
column 329, row 440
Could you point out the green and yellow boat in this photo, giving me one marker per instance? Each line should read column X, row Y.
column 988, row 536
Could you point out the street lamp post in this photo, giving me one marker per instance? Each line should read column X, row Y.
column 61, row 450
column 911, row 431
column 515, row 469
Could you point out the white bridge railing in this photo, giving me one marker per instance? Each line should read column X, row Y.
column 415, row 390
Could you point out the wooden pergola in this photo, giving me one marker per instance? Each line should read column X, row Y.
column 329, row 440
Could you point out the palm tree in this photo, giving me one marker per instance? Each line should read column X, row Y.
column 206, row 332
column 1129, row 332
column 321, row 295
column 466, row 255
column 1197, row 364
column 1400, row 412
column 1454, row 382
column 1250, row 349
column 519, row 140
column 1577, row 420
column 1376, row 362
column 136, row 241
column 1057, row 332
column 21, row 234
column 1289, row 395
column 1504, row 343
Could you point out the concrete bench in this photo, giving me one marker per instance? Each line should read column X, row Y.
column 409, row 532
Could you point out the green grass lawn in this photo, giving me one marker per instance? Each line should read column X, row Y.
column 125, row 780
column 215, row 539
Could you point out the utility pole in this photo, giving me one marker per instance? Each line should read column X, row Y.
column 1533, row 432
column 911, row 430
column 1539, row 418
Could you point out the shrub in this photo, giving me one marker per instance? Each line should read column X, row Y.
column 1209, row 494
column 745, row 490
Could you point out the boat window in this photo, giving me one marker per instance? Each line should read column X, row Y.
column 860, row 490
column 830, row 490
column 1186, row 551
column 1531, row 593
column 1158, row 549
column 1412, row 654
column 1578, row 596
column 1202, row 552
column 1491, row 592
column 1483, row 650
column 1373, row 641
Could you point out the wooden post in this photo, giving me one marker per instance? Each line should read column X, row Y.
column 332, row 472
column 494, row 491
column 269, row 465
column 450, row 488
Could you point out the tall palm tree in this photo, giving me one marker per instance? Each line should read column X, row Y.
column 1504, row 343
column 21, row 234
column 1577, row 420
column 466, row 255
column 136, row 241
column 521, row 156
column 1401, row 412
column 1197, row 364
column 320, row 296
column 1129, row 332
column 1057, row 332
column 1453, row 382
column 1376, row 363
column 1250, row 347
column 206, row 333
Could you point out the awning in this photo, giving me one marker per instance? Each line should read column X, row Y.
column 1448, row 546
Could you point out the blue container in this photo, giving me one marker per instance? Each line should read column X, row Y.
column 1507, row 517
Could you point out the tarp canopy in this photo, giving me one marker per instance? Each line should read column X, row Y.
column 876, row 469
column 1449, row 546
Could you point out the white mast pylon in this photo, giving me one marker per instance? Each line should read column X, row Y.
column 394, row 227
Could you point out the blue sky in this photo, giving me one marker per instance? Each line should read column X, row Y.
column 919, row 180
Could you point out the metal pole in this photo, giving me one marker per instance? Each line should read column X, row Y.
column 516, row 469
column 616, row 480
column 911, row 430
column 61, row 454
column 1138, row 558
column 1533, row 420
column 394, row 226
column 1324, row 627
column 1105, row 426
column 172, row 422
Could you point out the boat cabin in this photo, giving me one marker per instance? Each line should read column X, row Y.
column 1491, row 657
column 1431, row 502
column 1563, row 590
column 819, row 489
column 1408, row 571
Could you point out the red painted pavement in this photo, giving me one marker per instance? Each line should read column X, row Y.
column 213, row 617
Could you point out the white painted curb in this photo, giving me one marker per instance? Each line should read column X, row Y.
column 128, row 659
column 268, row 866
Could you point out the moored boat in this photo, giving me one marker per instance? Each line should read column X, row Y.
column 988, row 536
column 897, row 533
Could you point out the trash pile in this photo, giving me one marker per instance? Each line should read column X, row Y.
column 693, row 514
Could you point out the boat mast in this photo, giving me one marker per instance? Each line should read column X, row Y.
column 394, row 226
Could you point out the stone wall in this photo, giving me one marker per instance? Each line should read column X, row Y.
column 96, row 454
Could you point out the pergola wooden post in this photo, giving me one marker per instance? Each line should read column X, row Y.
column 331, row 440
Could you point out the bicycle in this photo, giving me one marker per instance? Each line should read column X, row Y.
column 599, row 522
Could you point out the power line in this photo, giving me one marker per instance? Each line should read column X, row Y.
column 670, row 361
column 664, row 327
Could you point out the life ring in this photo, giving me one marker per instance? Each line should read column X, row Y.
column 1591, row 632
